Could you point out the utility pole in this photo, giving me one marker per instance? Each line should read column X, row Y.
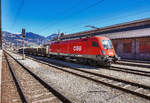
column 0, row 26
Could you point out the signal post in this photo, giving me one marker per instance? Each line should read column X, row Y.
column 23, row 37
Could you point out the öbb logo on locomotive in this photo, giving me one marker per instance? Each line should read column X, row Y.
column 77, row 48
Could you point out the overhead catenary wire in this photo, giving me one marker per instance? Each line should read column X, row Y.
column 73, row 27
column 116, row 17
column 18, row 13
column 67, row 10
column 75, row 13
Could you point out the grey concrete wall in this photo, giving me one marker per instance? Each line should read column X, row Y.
column 128, row 34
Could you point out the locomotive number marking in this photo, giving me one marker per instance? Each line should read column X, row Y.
column 77, row 48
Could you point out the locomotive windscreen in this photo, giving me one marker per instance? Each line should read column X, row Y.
column 107, row 44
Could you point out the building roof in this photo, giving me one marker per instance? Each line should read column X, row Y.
column 110, row 30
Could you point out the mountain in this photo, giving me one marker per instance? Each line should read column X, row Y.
column 35, row 38
column 31, row 39
column 30, row 35
column 52, row 36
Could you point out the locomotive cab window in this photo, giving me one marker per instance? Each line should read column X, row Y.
column 107, row 44
column 95, row 44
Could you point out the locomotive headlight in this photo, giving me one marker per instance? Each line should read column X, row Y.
column 104, row 52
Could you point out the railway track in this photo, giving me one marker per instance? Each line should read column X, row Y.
column 134, row 63
column 131, row 71
column 126, row 86
column 8, row 87
column 31, row 88
column 126, row 70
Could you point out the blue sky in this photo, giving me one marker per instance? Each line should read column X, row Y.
column 45, row 17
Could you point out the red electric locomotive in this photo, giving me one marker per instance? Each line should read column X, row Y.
column 92, row 50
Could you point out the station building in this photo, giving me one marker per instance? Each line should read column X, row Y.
column 131, row 40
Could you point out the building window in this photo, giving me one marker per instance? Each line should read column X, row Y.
column 127, row 47
column 144, row 46
column 95, row 44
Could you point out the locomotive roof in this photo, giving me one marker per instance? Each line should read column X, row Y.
column 117, row 31
column 57, row 41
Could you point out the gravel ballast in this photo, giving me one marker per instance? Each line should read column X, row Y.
column 83, row 89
